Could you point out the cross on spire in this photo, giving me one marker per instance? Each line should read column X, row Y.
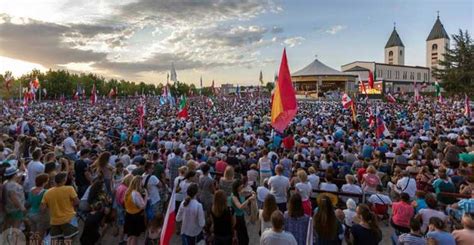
column 394, row 25
column 438, row 13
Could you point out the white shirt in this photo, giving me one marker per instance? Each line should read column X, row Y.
column 314, row 181
column 270, row 237
column 304, row 189
column 152, row 188
column 278, row 187
column 402, row 186
column 427, row 213
column 381, row 199
column 69, row 146
column 350, row 188
column 262, row 193
column 34, row 169
column 192, row 217
column 328, row 187
column 179, row 196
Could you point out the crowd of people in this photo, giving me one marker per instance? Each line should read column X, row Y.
column 74, row 172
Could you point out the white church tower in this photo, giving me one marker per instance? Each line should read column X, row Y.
column 394, row 50
column 437, row 43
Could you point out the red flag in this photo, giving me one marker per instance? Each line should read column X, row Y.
column 467, row 106
column 284, row 105
column 169, row 223
column 8, row 81
column 346, row 101
column 371, row 80
column 390, row 98
column 141, row 113
column 93, row 95
column 183, row 108
column 112, row 93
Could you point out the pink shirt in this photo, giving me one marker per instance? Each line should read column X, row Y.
column 120, row 194
column 402, row 213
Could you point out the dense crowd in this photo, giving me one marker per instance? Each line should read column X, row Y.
column 72, row 172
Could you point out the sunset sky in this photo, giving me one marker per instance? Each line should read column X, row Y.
column 228, row 41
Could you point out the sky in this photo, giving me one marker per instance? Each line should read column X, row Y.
column 229, row 41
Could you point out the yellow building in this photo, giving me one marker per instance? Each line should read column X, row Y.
column 317, row 79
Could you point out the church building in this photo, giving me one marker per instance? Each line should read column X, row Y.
column 393, row 76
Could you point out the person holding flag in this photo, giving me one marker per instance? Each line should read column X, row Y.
column 284, row 106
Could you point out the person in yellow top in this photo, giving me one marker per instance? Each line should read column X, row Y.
column 60, row 200
column 135, row 203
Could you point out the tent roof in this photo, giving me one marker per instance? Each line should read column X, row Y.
column 317, row 68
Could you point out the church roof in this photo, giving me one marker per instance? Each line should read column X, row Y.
column 394, row 40
column 357, row 68
column 437, row 31
column 317, row 68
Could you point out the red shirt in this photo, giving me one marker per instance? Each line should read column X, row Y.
column 288, row 142
column 402, row 212
column 220, row 166
column 360, row 173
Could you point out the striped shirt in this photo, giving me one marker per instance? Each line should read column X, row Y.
column 466, row 205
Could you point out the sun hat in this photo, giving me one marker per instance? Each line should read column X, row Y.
column 10, row 171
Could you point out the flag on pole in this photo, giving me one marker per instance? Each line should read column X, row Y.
column 93, row 95
column 354, row 112
column 381, row 129
column 309, row 232
column 141, row 113
column 467, row 106
column 8, row 80
column 417, row 96
column 112, row 93
column 169, row 223
column 210, row 102
column 364, row 90
column 173, row 75
column 200, row 82
column 438, row 89
column 261, row 78
column 346, row 101
column 371, row 80
column 390, row 98
column 284, row 105
column 441, row 99
column 183, row 108
column 238, row 91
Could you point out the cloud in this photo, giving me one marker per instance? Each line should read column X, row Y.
column 42, row 42
column 277, row 29
column 335, row 29
column 293, row 41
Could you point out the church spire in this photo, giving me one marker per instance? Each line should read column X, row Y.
column 394, row 40
column 438, row 31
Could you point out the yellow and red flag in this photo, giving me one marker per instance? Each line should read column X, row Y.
column 284, row 105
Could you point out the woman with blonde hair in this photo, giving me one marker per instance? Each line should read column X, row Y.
column 225, row 182
column 135, row 203
column 304, row 188
column 119, row 202
column 101, row 167
column 370, row 180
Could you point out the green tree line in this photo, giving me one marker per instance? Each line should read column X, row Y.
column 63, row 82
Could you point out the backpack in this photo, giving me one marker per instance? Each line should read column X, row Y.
column 372, row 180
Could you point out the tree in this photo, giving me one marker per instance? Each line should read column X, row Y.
column 457, row 68
column 269, row 86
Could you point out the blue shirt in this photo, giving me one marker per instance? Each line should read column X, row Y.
column 136, row 139
column 466, row 205
column 367, row 151
column 442, row 237
column 420, row 204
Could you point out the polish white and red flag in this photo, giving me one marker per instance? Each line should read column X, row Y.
column 169, row 224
